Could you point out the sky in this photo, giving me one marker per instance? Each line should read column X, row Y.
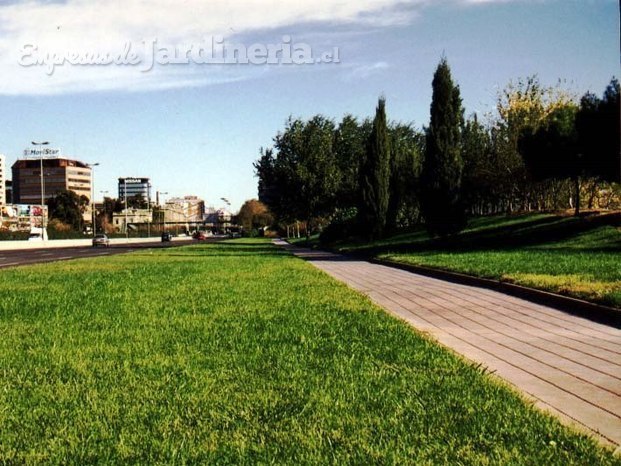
column 195, row 127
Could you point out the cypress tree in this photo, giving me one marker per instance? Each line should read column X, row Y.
column 441, row 203
column 375, row 175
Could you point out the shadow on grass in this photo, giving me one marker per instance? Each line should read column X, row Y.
column 222, row 249
column 538, row 232
column 328, row 257
column 232, row 254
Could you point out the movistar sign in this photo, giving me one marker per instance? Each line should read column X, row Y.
column 42, row 152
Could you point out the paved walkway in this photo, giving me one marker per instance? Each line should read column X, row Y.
column 568, row 365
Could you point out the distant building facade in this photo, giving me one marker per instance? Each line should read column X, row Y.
column 187, row 209
column 8, row 190
column 3, row 199
column 59, row 174
column 218, row 219
column 214, row 217
column 133, row 187
column 133, row 217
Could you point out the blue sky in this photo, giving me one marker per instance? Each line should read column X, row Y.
column 197, row 128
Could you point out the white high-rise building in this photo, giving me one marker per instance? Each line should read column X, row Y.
column 2, row 179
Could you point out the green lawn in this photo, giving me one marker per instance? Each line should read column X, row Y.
column 237, row 353
column 576, row 257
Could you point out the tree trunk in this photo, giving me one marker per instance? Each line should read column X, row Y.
column 593, row 193
column 577, row 195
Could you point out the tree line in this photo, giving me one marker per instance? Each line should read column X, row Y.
column 541, row 150
column 67, row 209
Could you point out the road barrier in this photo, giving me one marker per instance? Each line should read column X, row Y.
column 71, row 243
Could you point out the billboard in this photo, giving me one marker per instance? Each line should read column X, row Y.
column 22, row 216
column 42, row 152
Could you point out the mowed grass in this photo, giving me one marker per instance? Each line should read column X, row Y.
column 576, row 257
column 237, row 353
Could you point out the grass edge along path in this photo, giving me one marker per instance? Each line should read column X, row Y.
column 238, row 353
column 578, row 258
column 525, row 344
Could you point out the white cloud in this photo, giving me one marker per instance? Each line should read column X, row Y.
column 364, row 71
column 100, row 26
column 87, row 26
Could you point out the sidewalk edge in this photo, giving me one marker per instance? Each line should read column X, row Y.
column 595, row 312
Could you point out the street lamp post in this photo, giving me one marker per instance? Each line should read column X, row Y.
column 228, row 203
column 160, row 211
column 41, row 144
column 92, row 167
column 148, row 210
column 103, row 197
column 157, row 196
column 125, row 196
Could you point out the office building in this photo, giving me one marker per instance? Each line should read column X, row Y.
column 134, row 187
column 59, row 174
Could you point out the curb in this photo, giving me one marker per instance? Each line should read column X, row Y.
column 595, row 312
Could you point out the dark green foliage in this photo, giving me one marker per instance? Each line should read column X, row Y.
column 253, row 233
column 598, row 125
column 299, row 177
column 552, row 151
column 111, row 206
column 521, row 108
column 538, row 153
column 7, row 235
column 375, row 176
column 344, row 224
column 266, row 173
column 53, row 233
column 577, row 142
column 478, row 185
column 69, row 208
column 407, row 146
column 137, row 202
column 349, row 148
column 442, row 168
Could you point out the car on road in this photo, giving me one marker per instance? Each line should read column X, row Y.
column 101, row 240
column 166, row 236
column 199, row 235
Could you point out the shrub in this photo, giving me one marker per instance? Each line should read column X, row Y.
column 7, row 235
column 344, row 225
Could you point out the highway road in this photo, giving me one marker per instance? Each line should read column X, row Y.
column 35, row 256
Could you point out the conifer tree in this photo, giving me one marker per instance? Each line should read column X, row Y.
column 441, row 203
column 375, row 176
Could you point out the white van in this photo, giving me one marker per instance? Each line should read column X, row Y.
column 37, row 234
